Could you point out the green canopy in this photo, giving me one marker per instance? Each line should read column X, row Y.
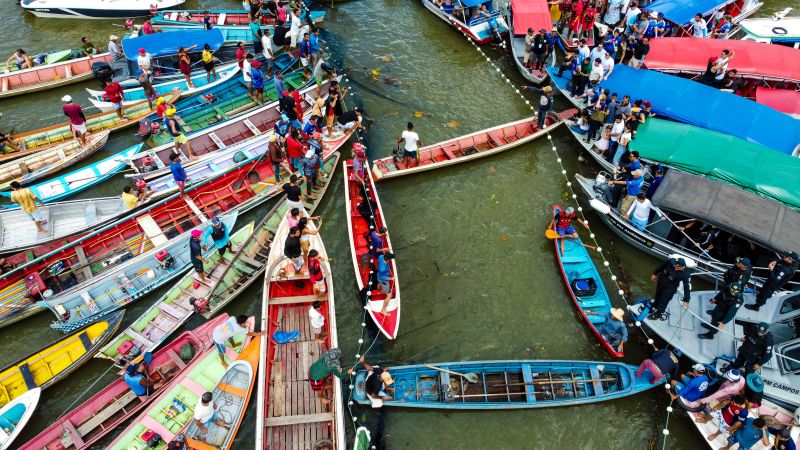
column 722, row 157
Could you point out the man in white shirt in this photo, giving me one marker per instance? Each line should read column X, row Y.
column 608, row 64
column 596, row 53
column 144, row 60
column 617, row 128
column 294, row 30
column 266, row 42
column 721, row 64
column 225, row 332
column 412, row 143
column 597, row 71
column 528, row 41
column 317, row 320
column 583, row 51
column 699, row 26
column 205, row 414
column 639, row 212
column 247, row 65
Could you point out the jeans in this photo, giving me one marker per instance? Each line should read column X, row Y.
column 311, row 184
column 577, row 129
column 542, row 116
column 612, row 149
column 594, row 126
column 618, row 154
column 276, row 169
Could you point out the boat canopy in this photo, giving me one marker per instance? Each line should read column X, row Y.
column 694, row 103
column 531, row 14
column 743, row 213
column 167, row 43
column 682, row 12
column 722, row 157
column 753, row 59
column 784, row 100
column 474, row 3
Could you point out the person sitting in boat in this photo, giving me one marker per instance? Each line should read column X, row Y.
column 148, row 28
column 115, row 49
column 723, row 27
column 725, row 414
column 732, row 385
column 581, row 124
column 613, row 329
column 129, row 199
column 747, row 434
column 692, row 385
column 88, row 48
column 639, row 212
column 783, row 438
column 562, row 220
column 138, row 378
column 668, row 276
column 378, row 384
column 20, row 59
column 206, row 412
column 780, row 272
column 481, row 13
column 663, row 364
column 7, row 144
column 319, row 374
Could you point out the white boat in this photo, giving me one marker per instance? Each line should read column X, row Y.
column 778, row 29
column 481, row 30
column 95, row 9
column 520, row 16
column 15, row 415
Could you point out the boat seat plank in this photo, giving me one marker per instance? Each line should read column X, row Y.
column 299, row 419
column 598, row 386
column 252, row 127
column 83, row 261
column 176, row 359
column 246, row 259
column 449, row 152
column 151, row 424
column 294, row 299
column 72, row 436
column 171, row 311
column 573, row 260
column 589, row 304
column 152, row 230
column 233, row 390
column 87, row 343
column 194, row 208
column 217, row 141
column 527, row 377
column 138, row 337
column 106, row 413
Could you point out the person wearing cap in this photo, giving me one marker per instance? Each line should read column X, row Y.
column 739, row 272
column 782, row 438
column 538, row 50
column 220, row 235
column 359, row 173
column 780, row 272
column 658, row 27
column 545, row 103
column 137, row 377
column 206, row 413
column 668, row 276
column 658, row 178
column 411, row 144
column 196, row 254
column 726, row 304
column 756, row 348
column 257, row 81
column 663, row 364
column 115, row 49
column 732, row 385
column 725, row 414
column 692, row 386
column 378, row 384
column 754, row 390
column 144, row 60
column 115, row 95
column 173, row 127
column 309, row 165
column 633, row 185
column 613, row 328
column 178, row 173
column 562, row 220
column 276, row 156
column 77, row 119
column 747, row 434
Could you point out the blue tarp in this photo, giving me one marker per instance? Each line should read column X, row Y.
column 694, row 103
column 683, row 11
column 167, row 43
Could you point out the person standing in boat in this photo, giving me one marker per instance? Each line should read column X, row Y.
column 563, row 224
column 27, row 201
column 545, row 103
column 359, row 173
column 780, row 272
column 668, row 276
column 294, row 195
column 276, row 156
column 739, row 272
column 726, row 303
column 613, row 328
column 116, row 96
column 699, row 26
column 206, row 413
column 77, row 119
column 257, row 80
column 411, row 142
column 639, row 212
column 178, row 173
column 173, row 127
column 220, row 235
column 526, row 57
column 224, row 333
column 207, row 58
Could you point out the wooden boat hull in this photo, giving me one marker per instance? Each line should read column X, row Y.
column 124, row 283
column 15, row 415
column 54, row 362
column 388, row 322
column 172, row 310
column 576, row 263
column 93, row 419
column 508, row 384
column 163, row 415
column 469, row 147
column 480, row 32
column 41, row 78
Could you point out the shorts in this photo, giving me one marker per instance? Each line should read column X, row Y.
column 259, row 90
column 304, row 61
column 348, row 126
column 180, row 139
column 207, row 423
column 117, row 106
column 564, row 231
column 317, row 385
column 221, row 348
column 719, row 421
column 80, row 128
column 386, row 285
column 181, row 185
column 297, row 163
column 410, row 154
column 198, row 266
column 209, row 66
column 248, row 84
column 299, row 205
column 304, row 245
column 536, row 57
column 297, row 263
column 36, row 216
column 221, row 251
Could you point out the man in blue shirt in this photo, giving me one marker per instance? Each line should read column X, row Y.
column 258, row 81
column 658, row 177
column 178, row 174
column 693, row 386
column 611, row 42
column 783, row 439
column 282, row 126
column 632, row 187
column 314, row 42
column 376, row 242
column 220, row 235
column 748, row 434
column 280, row 85
column 305, row 50
column 613, row 329
column 385, row 277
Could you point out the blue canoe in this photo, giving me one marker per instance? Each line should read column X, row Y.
column 59, row 188
column 508, row 384
column 164, row 44
column 585, row 286
column 694, row 103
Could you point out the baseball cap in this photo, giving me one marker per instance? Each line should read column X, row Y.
column 196, row 233
column 762, row 328
column 66, row 98
column 215, row 221
column 699, row 368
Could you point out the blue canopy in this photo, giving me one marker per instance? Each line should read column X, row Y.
column 683, row 11
column 167, row 43
column 694, row 103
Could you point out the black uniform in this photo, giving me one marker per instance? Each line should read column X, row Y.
column 667, row 285
column 736, row 274
column 754, row 350
column 725, row 308
column 778, row 276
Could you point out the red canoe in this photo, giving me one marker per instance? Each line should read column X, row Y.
column 784, row 100
column 469, row 147
column 752, row 60
column 384, row 310
column 94, row 418
column 48, row 76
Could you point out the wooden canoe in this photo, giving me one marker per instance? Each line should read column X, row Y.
column 15, row 415
column 173, row 409
column 173, row 309
column 69, row 184
column 469, row 147
column 48, row 76
column 194, row 17
column 88, row 422
column 231, row 394
column 95, row 123
column 230, row 100
column 125, row 282
column 30, row 168
column 250, row 261
column 54, row 362
column 256, row 122
column 508, row 384
column 286, row 404
column 384, row 309
column 576, row 263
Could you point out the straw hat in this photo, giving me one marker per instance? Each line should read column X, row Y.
column 617, row 313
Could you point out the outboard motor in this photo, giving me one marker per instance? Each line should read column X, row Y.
column 102, row 71
column 602, row 189
column 495, row 27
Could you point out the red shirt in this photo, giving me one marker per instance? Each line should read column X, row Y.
column 563, row 219
column 240, row 54
column 75, row 113
column 160, row 110
column 114, row 92
column 298, row 103
column 314, row 270
column 294, row 148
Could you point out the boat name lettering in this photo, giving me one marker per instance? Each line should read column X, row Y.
column 636, row 236
column 782, row 387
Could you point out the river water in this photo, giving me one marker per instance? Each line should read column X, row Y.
column 479, row 280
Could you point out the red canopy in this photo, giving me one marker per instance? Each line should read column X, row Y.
column 531, row 14
column 752, row 59
column 784, row 100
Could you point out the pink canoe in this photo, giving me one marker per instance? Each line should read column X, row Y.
column 48, row 76
column 104, row 411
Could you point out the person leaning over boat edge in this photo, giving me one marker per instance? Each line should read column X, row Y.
column 320, row 372
column 224, row 333
column 663, row 364
column 27, row 201
column 613, row 329
column 378, row 383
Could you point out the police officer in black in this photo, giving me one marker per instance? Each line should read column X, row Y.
column 668, row 276
column 738, row 272
column 726, row 303
column 780, row 272
column 756, row 348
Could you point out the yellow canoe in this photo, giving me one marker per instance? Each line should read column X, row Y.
column 54, row 362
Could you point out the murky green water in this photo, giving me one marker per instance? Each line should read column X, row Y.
column 478, row 279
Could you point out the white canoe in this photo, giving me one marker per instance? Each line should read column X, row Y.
column 15, row 415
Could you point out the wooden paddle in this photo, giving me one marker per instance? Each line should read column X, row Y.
column 471, row 376
column 552, row 234
column 536, row 383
